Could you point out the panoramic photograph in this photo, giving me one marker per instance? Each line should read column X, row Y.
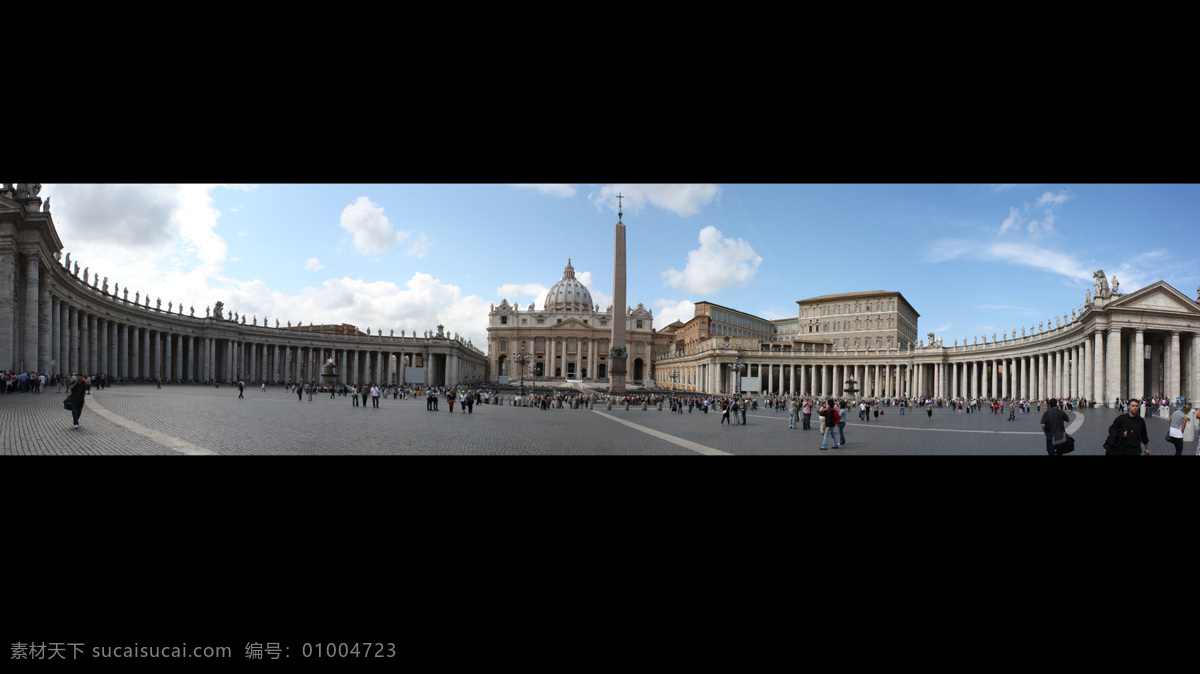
column 599, row 319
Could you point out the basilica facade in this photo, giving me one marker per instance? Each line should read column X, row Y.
column 567, row 338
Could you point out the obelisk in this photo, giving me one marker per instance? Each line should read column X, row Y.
column 617, row 349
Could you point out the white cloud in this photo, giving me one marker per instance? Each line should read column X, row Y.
column 313, row 264
column 556, row 190
column 1022, row 254
column 715, row 265
column 683, row 200
column 418, row 245
column 599, row 297
column 1013, row 221
column 372, row 231
column 422, row 304
column 1054, row 199
column 523, row 293
column 667, row 312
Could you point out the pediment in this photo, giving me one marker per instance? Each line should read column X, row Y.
column 1157, row 297
column 572, row 323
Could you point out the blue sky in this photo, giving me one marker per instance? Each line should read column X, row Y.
column 973, row 259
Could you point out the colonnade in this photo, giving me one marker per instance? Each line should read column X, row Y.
column 54, row 322
column 1146, row 343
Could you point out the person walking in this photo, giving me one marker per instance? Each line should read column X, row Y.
column 744, row 406
column 829, row 421
column 77, row 390
column 725, row 413
column 1179, row 422
column 375, row 397
column 241, row 389
column 1126, row 432
column 299, row 393
column 842, row 423
column 354, row 396
column 929, row 409
column 793, row 411
column 1053, row 425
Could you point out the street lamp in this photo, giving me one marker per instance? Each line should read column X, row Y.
column 738, row 366
column 521, row 359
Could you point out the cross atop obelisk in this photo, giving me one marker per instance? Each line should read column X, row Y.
column 617, row 347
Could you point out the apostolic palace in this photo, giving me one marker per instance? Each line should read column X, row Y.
column 1112, row 345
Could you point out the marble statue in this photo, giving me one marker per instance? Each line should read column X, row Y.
column 192, row 309
column 391, row 333
column 76, row 269
column 46, row 206
column 1022, row 333
column 68, row 261
column 1057, row 323
column 1072, row 314
column 1040, row 324
column 993, row 336
column 96, row 280
column 1088, row 296
column 243, row 319
column 1115, row 284
column 217, row 308
column 169, row 306
column 206, row 312
column 976, row 340
column 147, row 301
column 1005, row 335
column 104, row 288
column 277, row 322
column 158, row 303
column 116, row 289
column 1101, row 284
column 137, row 297
column 255, row 320
column 85, row 274
column 126, row 295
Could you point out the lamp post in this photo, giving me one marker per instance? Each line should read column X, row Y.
column 521, row 359
column 738, row 366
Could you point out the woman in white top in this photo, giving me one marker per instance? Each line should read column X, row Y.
column 1179, row 421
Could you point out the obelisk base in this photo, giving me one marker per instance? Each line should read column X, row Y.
column 616, row 374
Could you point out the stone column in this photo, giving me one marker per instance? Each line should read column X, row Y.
column 72, row 340
column 1138, row 361
column 1112, row 366
column 32, row 297
column 1194, row 369
column 8, row 316
column 168, row 369
column 1098, row 394
column 93, row 359
column 1173, row 387
column 46, row 352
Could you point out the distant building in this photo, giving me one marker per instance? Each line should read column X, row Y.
column 568, row 337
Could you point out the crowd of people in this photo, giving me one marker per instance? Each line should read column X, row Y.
column 1126, row 435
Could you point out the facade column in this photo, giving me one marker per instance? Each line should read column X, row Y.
column 1097, row 390
column 32, row 298
column 1138, row 361
column 1173, row 369
column 1112, row 366
column 73, row 341
column 46, row 352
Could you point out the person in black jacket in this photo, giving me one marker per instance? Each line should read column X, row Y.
column 1126, row 432
column 1053, row 425
column 78, row 389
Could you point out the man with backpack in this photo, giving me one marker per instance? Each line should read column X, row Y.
column 829, row 414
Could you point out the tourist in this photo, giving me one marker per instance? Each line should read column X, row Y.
column 842, row 423
column 829, row 422
column 354, row 396
column 725, row 413
column 806, row 410
column 929, row 409
column 375, row 397
column 1053, row 425
column 241, row 389
column 1179, row 422
column 299, row 393
column 77, row 390
column 793, row 411
column 1126, row 432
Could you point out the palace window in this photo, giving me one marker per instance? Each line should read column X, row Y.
column 639, row 324
column 504, row 320
column 503, row 345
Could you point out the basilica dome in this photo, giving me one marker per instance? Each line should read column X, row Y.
column 568, row 294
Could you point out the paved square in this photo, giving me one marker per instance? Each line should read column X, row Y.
column 139, row 419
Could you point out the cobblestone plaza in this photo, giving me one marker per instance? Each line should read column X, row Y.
column 139, row 419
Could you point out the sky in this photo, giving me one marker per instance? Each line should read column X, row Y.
column 972, row 259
